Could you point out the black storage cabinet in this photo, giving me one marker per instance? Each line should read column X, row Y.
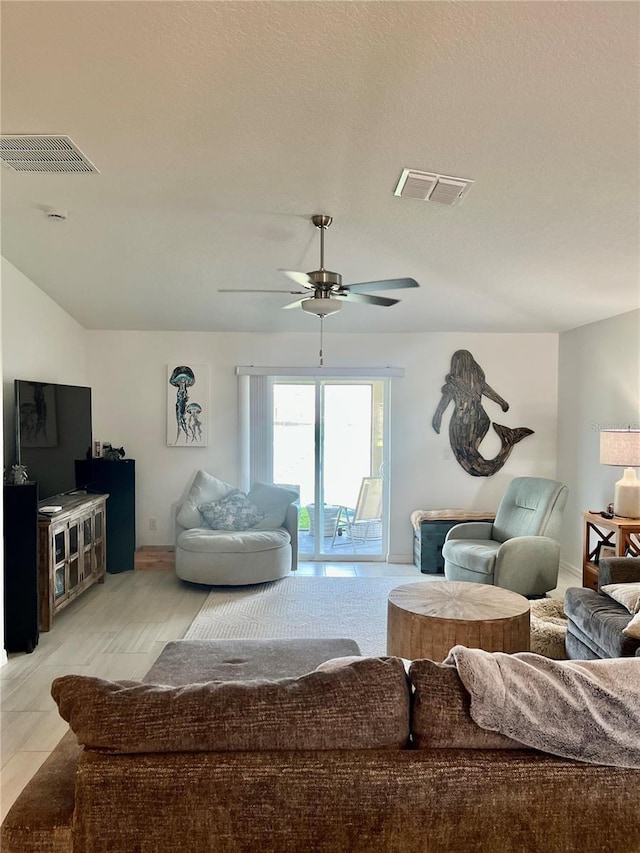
column 117, row 478
column 21, row 631
column 427, row 546
column 429, row 536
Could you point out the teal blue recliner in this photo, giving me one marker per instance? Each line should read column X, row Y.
column 520, row 549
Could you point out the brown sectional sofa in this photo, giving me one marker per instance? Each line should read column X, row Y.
column 341, row 760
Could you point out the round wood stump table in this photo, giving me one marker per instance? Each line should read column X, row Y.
column 425, row 620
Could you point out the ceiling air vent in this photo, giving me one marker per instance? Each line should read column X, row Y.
column 40, row 153
column 427, row 186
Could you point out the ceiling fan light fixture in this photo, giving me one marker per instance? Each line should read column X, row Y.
column 322, row 307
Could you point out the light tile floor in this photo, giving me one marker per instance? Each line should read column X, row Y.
column 114, row 630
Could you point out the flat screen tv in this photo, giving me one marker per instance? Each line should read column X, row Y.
column 53, row 429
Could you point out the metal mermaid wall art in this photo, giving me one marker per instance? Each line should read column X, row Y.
column 465, row 385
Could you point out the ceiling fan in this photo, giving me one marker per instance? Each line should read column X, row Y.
column 324, row 291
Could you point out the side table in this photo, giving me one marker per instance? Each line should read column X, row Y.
column 425, row 620
column 623, row 534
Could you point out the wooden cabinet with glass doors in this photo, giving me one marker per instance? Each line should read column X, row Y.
column 72, row 550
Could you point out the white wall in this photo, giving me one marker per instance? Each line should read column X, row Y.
column 127, row 371
column 598, row 388
column 39, row 341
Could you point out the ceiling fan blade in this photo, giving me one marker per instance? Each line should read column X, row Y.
column 244, row 290
column 372, row 300
column 389, row 284
column 295, row 304
column 300, row 278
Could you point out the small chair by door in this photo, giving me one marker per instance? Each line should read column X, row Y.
column 364, row 522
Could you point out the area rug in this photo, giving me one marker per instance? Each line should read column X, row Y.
column 354, row 608
column 548, row 628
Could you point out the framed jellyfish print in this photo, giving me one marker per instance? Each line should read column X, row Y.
column 187, row 405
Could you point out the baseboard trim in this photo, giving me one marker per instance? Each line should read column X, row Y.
column 145, row 548
column 400, row 558
column 572, row 570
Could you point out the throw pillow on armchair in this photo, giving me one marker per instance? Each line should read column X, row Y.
column 234, row 512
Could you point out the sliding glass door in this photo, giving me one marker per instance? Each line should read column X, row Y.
column 329, row 440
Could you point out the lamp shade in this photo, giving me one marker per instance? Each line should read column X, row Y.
column 622, row 447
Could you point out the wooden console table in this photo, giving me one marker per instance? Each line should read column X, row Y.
column 623, row 534
column 72, row 550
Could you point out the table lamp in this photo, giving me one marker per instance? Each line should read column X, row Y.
column 622, row 447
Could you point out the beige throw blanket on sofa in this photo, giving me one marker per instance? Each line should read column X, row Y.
column 585, row 710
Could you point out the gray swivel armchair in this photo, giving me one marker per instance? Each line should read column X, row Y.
column 520, row 549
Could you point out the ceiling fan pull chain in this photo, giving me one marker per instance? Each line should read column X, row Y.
column 321, row 331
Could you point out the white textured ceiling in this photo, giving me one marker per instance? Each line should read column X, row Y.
column 219, row 128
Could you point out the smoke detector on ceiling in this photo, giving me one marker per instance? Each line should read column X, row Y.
column 41, row 153
column 429, row 186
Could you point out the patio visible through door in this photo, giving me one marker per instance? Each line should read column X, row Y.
column 329, row 440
